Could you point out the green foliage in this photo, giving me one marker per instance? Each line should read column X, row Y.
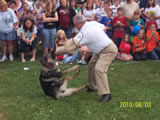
column 21, row 96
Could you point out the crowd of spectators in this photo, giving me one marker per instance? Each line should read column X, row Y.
column 133, row 25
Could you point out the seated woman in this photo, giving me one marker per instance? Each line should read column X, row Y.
column 28, row 34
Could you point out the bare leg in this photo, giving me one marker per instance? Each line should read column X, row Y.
column 4, row 47
column 22, row 56
column 45, row 51
column 10, row 46
column 34, row 54
column 124, row 58
column 51, row 49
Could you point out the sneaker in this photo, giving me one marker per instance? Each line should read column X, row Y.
column 118, row 56
column 40, row 42
column 82, row 62
column 11, row 58
column 32, row 60
column 23, row 61
column 4, row 58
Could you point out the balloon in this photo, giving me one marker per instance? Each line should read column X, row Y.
column 136, row 29
column 127, row 47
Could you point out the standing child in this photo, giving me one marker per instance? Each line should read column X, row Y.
column 152, row 20
column 153, row 52
column 107, row 22
column 138, row 46
column 136, row 24
column 99, row 7
column 125, row 48
column 119, row 23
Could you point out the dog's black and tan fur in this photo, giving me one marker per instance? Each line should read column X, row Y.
column 54, row 82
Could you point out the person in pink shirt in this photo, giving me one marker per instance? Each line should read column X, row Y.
column 125, row 48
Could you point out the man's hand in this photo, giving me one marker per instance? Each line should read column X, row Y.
column 84, row 48
column 26, row 41
column 30, row 42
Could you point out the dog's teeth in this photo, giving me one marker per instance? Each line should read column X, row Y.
column 57, row 63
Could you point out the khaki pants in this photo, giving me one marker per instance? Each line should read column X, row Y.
column 97, row 68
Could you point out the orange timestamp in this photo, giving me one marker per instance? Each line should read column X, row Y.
column 135, row 104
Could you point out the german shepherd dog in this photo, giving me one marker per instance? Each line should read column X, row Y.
column 53, row 81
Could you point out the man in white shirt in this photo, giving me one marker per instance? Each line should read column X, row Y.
column 104, row 51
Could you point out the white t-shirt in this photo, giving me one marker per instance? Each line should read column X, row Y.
column 114, row 9
column 93, row 36
column 155, row 10
column 89, row 13
column 28, row 34
column 7, row 19
column 99, row 12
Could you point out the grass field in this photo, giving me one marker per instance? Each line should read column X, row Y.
column 135, row 88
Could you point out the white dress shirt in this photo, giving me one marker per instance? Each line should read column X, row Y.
column 93, row 36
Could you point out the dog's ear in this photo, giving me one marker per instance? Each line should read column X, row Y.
column 53, row 55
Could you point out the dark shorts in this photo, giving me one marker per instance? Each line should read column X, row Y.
column 23, row 45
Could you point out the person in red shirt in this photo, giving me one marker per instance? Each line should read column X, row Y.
column 158, row 43
column 153, row 52
column 152, row 20
column 138, row 46
column 125, row 48
column 119, row 23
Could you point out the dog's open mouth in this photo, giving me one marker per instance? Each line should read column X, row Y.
column 48, row 65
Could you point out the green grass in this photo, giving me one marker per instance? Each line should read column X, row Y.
column 21, row 97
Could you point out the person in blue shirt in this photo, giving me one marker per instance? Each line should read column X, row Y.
column 107, row 22
column 8, row 24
